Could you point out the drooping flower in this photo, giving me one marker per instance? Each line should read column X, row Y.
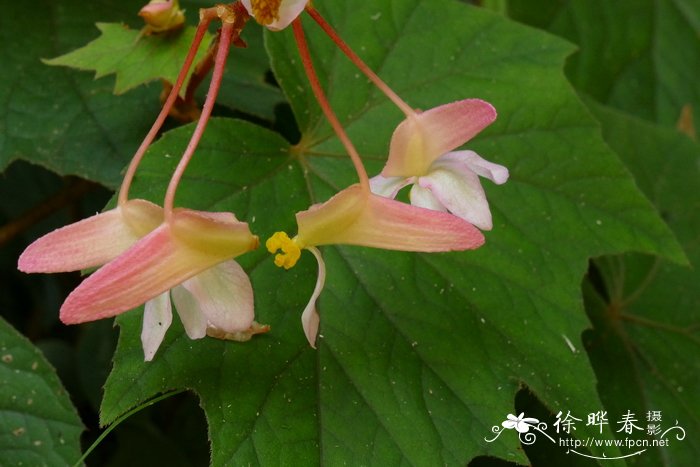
column 357, row 217
column 422, row 153
column 192, row 254
column 143, row 259
column 275, row 14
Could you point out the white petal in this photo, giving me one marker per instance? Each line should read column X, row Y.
column 423, row 198
column 388, row 187
column 509, row 424
column 193, row 320
column 522, row 427
column 288, row 12
column 310, row 319
column 460, row 191
column 494, row 172
column 224, row 295
column 157, row 317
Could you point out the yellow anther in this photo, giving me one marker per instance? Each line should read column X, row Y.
column 266, row 11
column 291, row 251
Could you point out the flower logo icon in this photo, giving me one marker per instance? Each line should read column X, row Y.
column 521, row 423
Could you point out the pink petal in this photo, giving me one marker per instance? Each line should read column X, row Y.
column 310, row 319
column 422, row 138
column 459, row 190
column 157, row 317
column 494, row 172
column 171, row 254
column 156, row 7
column 224, row 295
column 424, row 198
column 388, row 187
column 93, row 241
column 354, row 217
column 162, row 15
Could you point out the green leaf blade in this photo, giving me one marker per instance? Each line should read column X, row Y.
column 133, row 57
column 484, row 323
column 652, row 307
column 39, row 424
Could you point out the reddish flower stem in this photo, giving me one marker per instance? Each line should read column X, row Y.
column 328, row 29
column 153, row 132
column 201, row 70
column 325, row 106
column 220, row 62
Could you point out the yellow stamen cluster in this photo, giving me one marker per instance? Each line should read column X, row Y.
column 291, row 252
column 266, row 11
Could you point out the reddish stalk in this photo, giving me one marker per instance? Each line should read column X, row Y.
column 325, row 106
column 328, row 29
column 201, row 70
column 206, row 18
column 219, row 64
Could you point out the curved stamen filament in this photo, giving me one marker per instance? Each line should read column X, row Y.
column 325, row 106
column 153, row 132
column 328, row 29
column 221, row 55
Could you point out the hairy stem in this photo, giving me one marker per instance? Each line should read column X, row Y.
column 201, row 70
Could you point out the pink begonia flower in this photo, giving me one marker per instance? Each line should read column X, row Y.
column 145, row 258
column 357, row 217
column 192, row 255
column 421, row 153
column 275, row 14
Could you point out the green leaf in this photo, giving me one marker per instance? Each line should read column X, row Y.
column 61, row 119
column 244, row 86
column 640, row 56
column 133, row 57
column 648, row 313
column 39, row 425
column 69, row 123
column 420, row 355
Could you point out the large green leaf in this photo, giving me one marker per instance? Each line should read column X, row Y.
column 640, row 56
column 72, row 124
column 38, row 423
column 58, row 118
column 420, row 355
column 648, row 313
